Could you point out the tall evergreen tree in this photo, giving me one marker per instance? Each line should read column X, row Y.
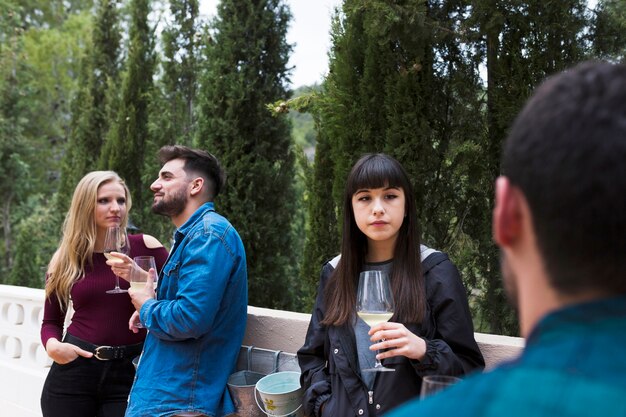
column 399, row 84
column 246, row 69
column 608, row 25
column 322, row 240
column 90, row 108
column 172, row 117
column 37, row 67
column 13, row 143
column 522, row 43
column 180, row 68
column 124, row 150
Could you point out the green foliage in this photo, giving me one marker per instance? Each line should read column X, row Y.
column 302, row 124
column 610, row 19
column 16, row 148
column 124, row 149
column 171, row 108
column 90, row 106
column 435, row 84
column 536, row 39
column 36, row 240
column 246, row 68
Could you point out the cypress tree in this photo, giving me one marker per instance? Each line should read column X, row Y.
column 34, row 83
column 124, row 149
column 609, row 23
column 322, row 239
column 14, row 147
column 90, row 108
column 389, row 91
column 180, row 66
column 522, row 42
column 246, row 69
column 172, row 118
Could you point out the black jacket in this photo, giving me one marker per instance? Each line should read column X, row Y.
column 328, row 359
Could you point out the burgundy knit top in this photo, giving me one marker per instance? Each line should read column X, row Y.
column 99, row 318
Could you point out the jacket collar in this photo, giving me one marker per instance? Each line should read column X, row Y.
column 195, row 217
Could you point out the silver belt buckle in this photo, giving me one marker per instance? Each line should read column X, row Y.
column 96, row 353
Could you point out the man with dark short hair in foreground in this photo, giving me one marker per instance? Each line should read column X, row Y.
column 560, row 222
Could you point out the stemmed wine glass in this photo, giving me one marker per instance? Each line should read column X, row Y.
column 116, row 240
column 374, row 304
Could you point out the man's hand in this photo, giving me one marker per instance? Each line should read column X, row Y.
column 133, row 322
column 139, row 296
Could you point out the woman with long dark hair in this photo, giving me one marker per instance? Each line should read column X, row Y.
column 431, row 331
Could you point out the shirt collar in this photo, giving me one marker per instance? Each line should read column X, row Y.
column 195, row 217
column 580, row 315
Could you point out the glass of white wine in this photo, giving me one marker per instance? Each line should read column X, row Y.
column 374, row 304
column 142, row 269
column 116, row 240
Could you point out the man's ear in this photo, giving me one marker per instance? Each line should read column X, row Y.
column 507, row 213
column 197, row 186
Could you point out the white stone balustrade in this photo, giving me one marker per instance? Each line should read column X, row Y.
column 23, row 360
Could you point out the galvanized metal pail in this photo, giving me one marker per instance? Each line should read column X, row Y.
column 281, row 394
column 241, row 388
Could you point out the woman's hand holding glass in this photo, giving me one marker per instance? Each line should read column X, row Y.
column 121, row 265
column 398, row 340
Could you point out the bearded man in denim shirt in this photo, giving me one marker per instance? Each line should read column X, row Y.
column 560, row 222
column 197, row 321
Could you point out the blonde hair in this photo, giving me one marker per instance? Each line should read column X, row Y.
column 79, row 235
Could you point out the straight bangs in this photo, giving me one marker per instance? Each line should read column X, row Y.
column 376, row 171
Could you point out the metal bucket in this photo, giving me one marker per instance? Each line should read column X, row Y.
column 241, row 388
column 281, row 394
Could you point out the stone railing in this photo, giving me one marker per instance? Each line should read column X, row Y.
column 24, row 363
column 23, row 360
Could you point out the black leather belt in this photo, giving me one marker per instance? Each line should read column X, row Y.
column 105, row 353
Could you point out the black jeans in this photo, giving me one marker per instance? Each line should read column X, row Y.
column 88, row 387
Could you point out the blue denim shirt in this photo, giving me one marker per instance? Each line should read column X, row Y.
column 196, row 324
column 573, row 365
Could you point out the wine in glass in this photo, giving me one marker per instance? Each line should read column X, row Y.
column 116, row 240
column 374, row 304
column 143, row 267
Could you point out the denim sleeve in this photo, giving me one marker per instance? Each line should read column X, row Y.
column 203, row 276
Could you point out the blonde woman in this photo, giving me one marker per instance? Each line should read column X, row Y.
column 92, row 371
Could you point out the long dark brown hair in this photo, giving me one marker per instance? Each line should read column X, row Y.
column 377, row 171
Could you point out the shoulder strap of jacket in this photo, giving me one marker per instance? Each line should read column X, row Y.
column 333, row 262
column 430, row 258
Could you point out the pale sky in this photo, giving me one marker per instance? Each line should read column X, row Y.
column 309, row 32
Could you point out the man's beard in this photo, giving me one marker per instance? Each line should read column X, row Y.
column 171, row 207
column 509, row 281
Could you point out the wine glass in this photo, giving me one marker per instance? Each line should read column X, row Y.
column 116, row 240
column 143, row 267
column 139, row 275
column 435, row 383
column 374, row 304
